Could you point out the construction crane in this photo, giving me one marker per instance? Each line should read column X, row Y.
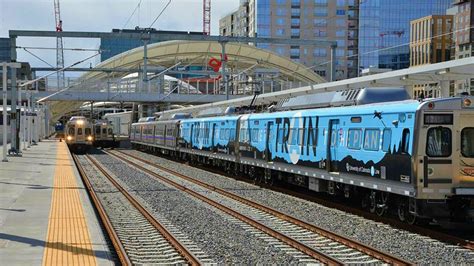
column 59, row 45
column 206, row 17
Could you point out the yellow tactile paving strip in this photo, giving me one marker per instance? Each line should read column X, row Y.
column 68, row 241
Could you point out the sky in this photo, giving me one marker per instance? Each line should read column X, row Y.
column 99, row 15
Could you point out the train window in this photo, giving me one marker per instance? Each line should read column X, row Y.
column 88, row 131
column 467, row 142
column 79, row 131
column 354, row 139
column 70, row 131
column 406, row 141
column 97, row 130
column 104, row 131
column 387, row 139
column 438, row 142
column 110, row 131
column 372, row 139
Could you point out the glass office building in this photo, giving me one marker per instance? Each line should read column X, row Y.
column 384, row 30
column 5, row 52
column 111, row 47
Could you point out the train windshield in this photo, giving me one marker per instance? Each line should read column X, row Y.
column 467, row 142
column 71, row 131
column 79, row 131
column 88, row 131
column 439, row 142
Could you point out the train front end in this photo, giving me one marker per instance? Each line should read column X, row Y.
column 79, row 135
column 445, row 161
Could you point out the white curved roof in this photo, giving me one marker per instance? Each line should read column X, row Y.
column 240, row 56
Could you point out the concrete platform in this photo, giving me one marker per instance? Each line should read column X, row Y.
column 33, row 226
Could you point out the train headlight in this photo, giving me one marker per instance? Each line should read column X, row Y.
column 69, row 138
column 89, row 138
column 466, row 102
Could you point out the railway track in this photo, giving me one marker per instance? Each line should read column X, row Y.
column 136, row 235
column 416, row 229
column 316, row 242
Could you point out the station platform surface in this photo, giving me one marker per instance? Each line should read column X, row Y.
column 46, row 217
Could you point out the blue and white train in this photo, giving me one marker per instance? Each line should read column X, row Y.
column 413, row 157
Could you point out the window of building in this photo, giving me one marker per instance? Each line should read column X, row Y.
column 354, row 139
column 341, row 12
column 295, row 52
column 372, row 139
column 320, row 52
column 341, row 3
column 438, row 142
column 280, row 32
column 295, row 32
column 320, row 2
column 340, row 22
column 321, row 73
column 321, row 11
column 281, row 12
column 295, row 22
column 339, row 52
column 340, row 33
column 281, row 2
column 320, row 22
column 280, row 21
column 341, row 43
column 320, row 33
column 295, row 12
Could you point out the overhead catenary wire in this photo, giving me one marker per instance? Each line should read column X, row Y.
column 37, row 57
column 133, row 13
column 59, row 70
column 163, row 10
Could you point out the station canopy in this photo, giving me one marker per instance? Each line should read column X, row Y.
column 240, row 58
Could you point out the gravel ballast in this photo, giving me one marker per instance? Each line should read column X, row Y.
column 220, row 236
column 412, row 247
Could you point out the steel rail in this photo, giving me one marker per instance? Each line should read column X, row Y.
column 388, row 258
column 180, row 248
column 119, row 248
column 316, row 254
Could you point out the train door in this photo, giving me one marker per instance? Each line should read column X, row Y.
column 332, row 143
column 466, row 159
column 437, row 152
column 270, row 139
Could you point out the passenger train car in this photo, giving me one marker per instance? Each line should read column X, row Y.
column 79, row 134
column 413, row 157
column 103, row 134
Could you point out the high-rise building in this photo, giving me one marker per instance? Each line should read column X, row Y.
column 5, row 50
column 463, row 38
column 430, row 42
column 315, row 19
column 114, row 46
column 430, row 39
column 237, row 22
column 384, row 28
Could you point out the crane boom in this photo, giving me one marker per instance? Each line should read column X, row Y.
column 59, row 45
